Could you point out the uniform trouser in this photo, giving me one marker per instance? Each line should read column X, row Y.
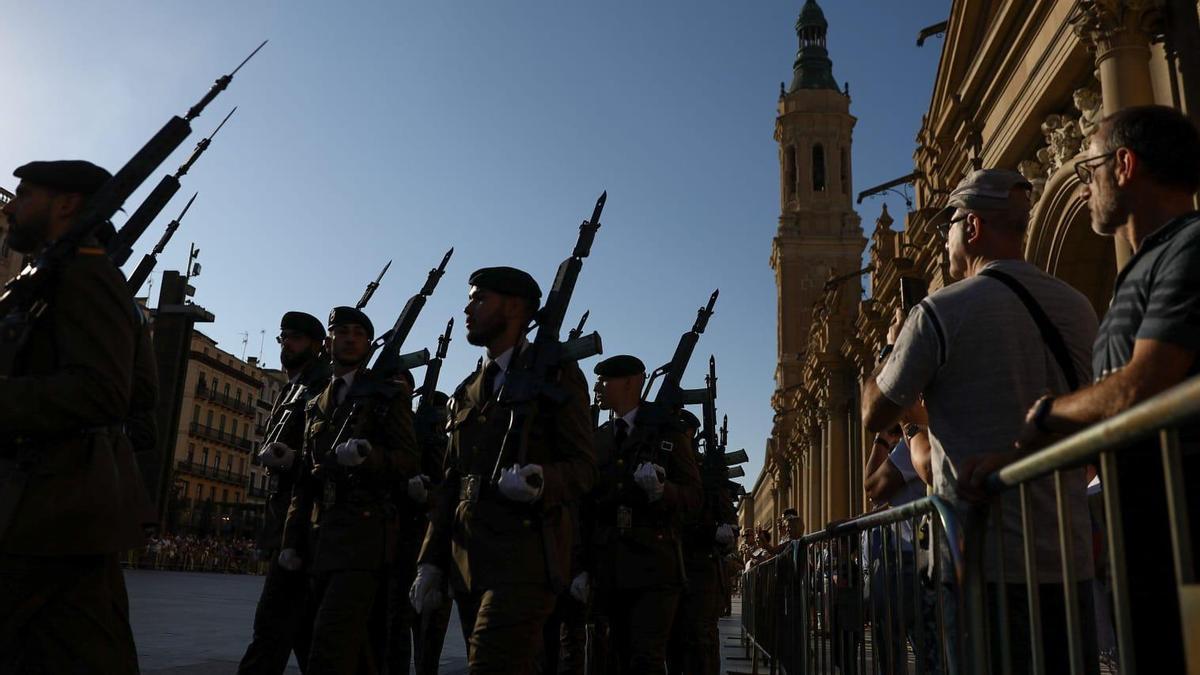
column 640, row 623
column 342, row 604
column 565, row 637
column 278, row 622
column 694, row 648
column 502, row 627
column 412, row 637
column 64, row 614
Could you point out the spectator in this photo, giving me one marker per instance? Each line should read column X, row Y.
column 1140, row 176
column 975, row 353
column 792, row 527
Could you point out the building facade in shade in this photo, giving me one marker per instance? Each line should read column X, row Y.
column 1022, row 86
column 274, row 381
column 215, row 442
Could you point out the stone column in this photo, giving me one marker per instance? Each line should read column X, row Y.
column 1119, row 33
column 839, row 463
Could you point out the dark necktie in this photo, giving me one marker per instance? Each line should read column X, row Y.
column 336, row 395
column 622, row 431
column 489, row 380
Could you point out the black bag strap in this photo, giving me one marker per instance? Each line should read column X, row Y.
column 1050, row 334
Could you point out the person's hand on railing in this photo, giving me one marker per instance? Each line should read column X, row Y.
column 974, row 471
column 1038, row 431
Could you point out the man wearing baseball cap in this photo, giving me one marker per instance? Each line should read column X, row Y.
column 978, row 353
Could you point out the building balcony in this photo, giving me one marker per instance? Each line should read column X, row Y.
column 256, row 492
column 208, row 433
column 213, row 472
column 224, row 400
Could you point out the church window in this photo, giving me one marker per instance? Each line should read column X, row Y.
column 845, row 169
column 818, row 168
column 789, row 172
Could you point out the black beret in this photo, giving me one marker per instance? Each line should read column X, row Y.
column 343, row 315
column 303, row 323
column 66, row 175
column 621, row 365
column 506, row 280
column 689, row 420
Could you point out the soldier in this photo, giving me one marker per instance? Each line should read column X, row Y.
column 64, row 507
column 647, row 480
column 506, row 543
column 413, row 637
column 278, row 628
column 694, row 645
column 359, row 447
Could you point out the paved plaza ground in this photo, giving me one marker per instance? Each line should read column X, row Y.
column 195, row 623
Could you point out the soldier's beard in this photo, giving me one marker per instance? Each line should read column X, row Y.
column 294, row 361
column 26, row 236
column 481, row 335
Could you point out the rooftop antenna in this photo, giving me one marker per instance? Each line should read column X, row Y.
column 262, row 337
column 245, row 341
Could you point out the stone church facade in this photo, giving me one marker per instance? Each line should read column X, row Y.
column 1020, row 85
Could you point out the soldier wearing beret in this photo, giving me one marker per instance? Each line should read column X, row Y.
column 506, row 545
column 359, row 447
column 694, row 647
column 278, row 629
column 647, row 482
column 64, row 459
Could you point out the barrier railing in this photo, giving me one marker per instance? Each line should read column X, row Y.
column 1004, row 587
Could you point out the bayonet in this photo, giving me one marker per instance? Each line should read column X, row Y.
column 578, row 330
column 219, row 86
column 149, row 260
column 372, row 287
column 201, row 147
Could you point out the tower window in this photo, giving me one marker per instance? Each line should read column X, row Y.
column 818, row 168
column 789, row 172
column 845, row 172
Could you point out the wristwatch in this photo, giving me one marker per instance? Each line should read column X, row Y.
column 884, row 353
column 1041, row 410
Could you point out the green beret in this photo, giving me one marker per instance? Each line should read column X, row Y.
column 303, row 323
column 621, row 365
column 65, row 175
column 507, row 281
column 339, row 316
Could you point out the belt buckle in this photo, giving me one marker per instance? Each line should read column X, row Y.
column 470, row 489
column 329, row 495
column 624, row 518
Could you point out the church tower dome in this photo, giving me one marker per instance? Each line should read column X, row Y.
column 812, row 69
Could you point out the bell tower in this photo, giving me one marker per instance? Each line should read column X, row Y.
column 819, row 235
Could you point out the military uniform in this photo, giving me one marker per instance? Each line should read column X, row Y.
column 63, row 606
column 635, row 543
column 278, row 619
column 417, row 638
column 351, row 512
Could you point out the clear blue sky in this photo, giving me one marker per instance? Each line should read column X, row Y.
column 376, row 130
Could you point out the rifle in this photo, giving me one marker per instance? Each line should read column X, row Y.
column 578, row 330
column 149, row 260
column 524, row 388
column 24, row 298
column 121, row 246
column 372, row 287
column 670, row 394
column 389, row 362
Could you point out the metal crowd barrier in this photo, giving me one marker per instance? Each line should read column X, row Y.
column 855, row 598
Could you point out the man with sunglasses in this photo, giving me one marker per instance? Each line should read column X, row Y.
column 1140, row 178
column 277, row 627
column 979, row 352
column 360, row 447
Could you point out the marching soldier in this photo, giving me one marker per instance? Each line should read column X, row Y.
column 506, row 544
column 278, row 628
column 647, row 481
column 64, row 460
column 694, row 645
column 359, row 447
column 418, row 637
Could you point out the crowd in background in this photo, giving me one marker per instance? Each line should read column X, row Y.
column 189, row 553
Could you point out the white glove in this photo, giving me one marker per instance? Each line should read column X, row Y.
column 417, row 490
column 725, row 534
column 522, row 483
column 426, row 591
column 290, row 560
column 581, row 587
column 649, row 477
column 276, row 455
column 353, row 452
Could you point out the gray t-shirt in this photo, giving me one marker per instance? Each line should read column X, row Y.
column 975, row 353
